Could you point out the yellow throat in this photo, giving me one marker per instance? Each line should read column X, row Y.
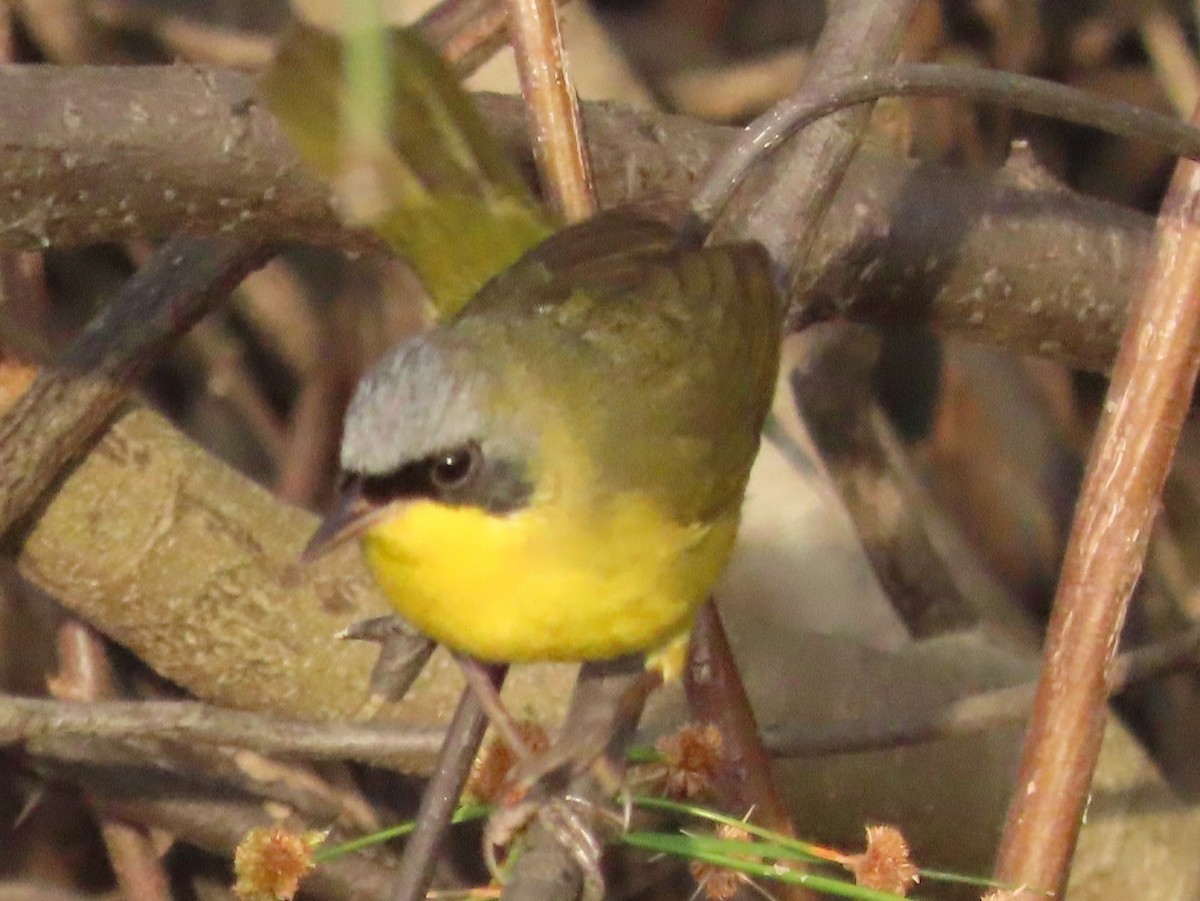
column 549, row 582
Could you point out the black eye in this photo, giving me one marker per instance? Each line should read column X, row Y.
column 453, row 470
column 379, row 490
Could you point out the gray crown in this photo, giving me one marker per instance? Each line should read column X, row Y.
column 413, row 403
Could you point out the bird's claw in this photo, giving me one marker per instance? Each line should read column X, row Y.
column 403, row 653
column 562, row 816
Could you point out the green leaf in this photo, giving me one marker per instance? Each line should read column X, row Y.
column 708, row 850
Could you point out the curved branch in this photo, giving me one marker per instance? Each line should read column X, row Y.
column 1033, row 95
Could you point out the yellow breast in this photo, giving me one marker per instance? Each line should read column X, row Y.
column 548, row 582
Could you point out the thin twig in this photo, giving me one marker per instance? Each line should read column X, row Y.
column 229, row 378
column 189, row 39
column 311, row 453
column 1172, row 59
column 1034, row 95
column 555, row 129
column 32, row 721
column 1144, row 409
column 442, row 793
column 903, row 726
column 274, row 301
column 7, row 45
column 25, row 720
column 24, row 304
column 216, row 822
column 85, row 674
column 467, row 31
column 562, row 165
column 227, row 374
column 859, row 34
column 63, row 30
column 606, row 705
column 785, row 219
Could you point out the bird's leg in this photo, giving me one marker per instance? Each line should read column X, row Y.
column 603, row 715
column 563, row 815
column 582, row 770
column 482, row 685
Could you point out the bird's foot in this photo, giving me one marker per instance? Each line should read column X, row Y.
column 403, row 652
column 566, row 817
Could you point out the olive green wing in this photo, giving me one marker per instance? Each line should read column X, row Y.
column 666, row 357
column 695, row 345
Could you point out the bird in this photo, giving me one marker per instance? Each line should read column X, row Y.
column 556, row 472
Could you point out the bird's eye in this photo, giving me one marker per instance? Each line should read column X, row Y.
column 454, row 469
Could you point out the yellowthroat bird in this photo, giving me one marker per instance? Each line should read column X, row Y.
column 556, row 472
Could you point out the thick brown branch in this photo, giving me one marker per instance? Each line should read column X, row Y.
column 902, row 241
column 68, row 404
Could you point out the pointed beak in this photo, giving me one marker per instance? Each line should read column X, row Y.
column 352, row 515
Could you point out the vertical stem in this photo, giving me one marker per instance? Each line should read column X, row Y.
column 1144, row 409
column 85, row 674
column 556, row 130
column 716, row 695
column 463, row 736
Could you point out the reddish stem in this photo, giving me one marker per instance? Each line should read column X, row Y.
column 1144, row 410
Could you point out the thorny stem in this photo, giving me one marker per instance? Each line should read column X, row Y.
column 716, row 695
